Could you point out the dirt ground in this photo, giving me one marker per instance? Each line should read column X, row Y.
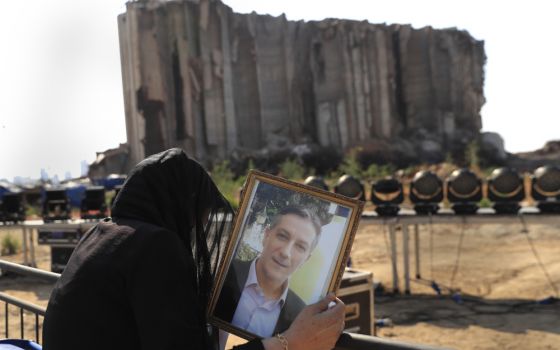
column 499, row 279
column 498, row 276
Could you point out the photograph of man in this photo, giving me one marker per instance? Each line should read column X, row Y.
column 256, row 295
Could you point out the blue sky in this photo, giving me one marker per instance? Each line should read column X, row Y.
column 61, row 90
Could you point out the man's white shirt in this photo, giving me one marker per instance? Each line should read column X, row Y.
column 255, row 313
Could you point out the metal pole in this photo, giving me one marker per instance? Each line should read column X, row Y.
column 36, row 328
column 25, row 258
column 21, row 323
column 394, row 257
column 352, row 341
column 417, row 250
column 22, row 304
column 6, row 319
column 406, row 259
column 32, row 247
column 29, row 271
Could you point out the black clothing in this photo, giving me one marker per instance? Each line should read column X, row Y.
column 231, row 293
column 142, row 280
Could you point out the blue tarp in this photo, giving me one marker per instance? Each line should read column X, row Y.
column 110, row 181
column 18, row 344
column 2, row 191
column 7, row 187
column 75, row 194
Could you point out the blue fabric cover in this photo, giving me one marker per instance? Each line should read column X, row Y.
column 18, row 344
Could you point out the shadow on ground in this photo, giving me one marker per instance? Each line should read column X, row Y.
column 504, row 315
column 12, row 284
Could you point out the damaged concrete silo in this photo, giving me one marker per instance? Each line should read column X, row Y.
column 198, row 76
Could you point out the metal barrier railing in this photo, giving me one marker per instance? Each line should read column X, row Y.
column 352, row 341
column 35, row 310
column 347, row 341
column 29, row 271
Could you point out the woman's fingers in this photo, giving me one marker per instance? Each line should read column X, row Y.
column 323, row 304
column 332, row 315
column 318, row 326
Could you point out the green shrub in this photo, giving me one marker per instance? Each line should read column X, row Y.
column 291, row 169
column 372, row 172
column 472, row 156
column 449, row 158
column 109, row 197
column 10, row 245
column 32, row 211
column 375, row 172
column 250, row 166
column 226, row 182
column 485, row 203
column 350, row 164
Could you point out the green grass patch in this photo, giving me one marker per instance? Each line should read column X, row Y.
column 10, row 245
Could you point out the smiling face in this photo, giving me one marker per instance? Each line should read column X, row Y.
column 286, row 246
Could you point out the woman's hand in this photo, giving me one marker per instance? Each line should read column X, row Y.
column 317, row 327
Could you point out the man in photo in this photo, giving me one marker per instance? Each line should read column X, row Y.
column 256, row 296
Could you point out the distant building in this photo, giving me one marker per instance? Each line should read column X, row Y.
column 111, row 161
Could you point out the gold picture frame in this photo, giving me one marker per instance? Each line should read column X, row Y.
column 296, row 240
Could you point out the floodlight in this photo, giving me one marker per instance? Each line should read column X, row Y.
column 464, row 191
column 316, row 181
column 93, row 204
column 506, row 190
column 545, row 188
column 426, row 192
column 12, row 208
column 387, row 194
column 55, row 205
column 349, row 186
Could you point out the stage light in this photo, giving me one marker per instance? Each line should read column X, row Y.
column 505, row 189
column 464, row 191
column 12, row 208
column 545, row 188
column 426, row 192
column 316, row 181
column 349, row 186
column 93, row 204
column 55, row 205
column 387, row 194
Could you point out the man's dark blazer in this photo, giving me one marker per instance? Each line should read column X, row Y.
column 231, row 293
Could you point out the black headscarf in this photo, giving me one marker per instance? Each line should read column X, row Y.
column 171, row 190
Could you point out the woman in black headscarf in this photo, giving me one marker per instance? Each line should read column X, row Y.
column 142, row 279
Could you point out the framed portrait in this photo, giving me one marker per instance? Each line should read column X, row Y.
column 288, row 249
